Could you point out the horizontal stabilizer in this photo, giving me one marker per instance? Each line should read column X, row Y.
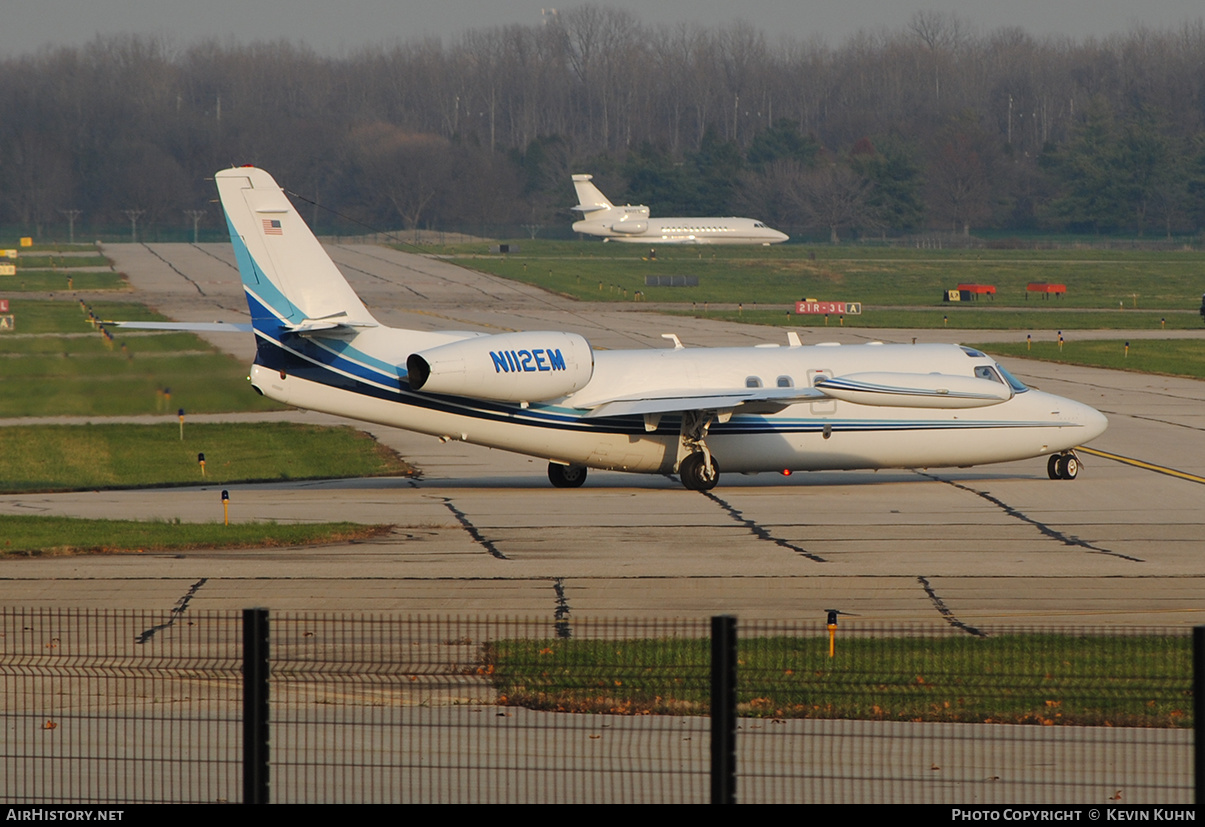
column 187, row 327
column 307, row 327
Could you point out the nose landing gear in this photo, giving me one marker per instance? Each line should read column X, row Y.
column 1062, row 466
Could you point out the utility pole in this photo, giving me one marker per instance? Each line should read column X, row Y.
column 71, row 216
column 196, row 216
column 133, row 216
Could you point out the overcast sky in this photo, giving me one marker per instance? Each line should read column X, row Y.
column 339, row 26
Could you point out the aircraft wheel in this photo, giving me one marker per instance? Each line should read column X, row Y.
column 696, row 475
column 1068, row 467
column 1052, row 466
column 566, row 476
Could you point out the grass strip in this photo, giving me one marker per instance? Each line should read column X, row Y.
column 45, row 281
column 959, row 318
column 43, row 316
column 46, row 373
column 92, row 343
column 880, row 277
column 89, row 457
column 1172, row 357
column 36, row 536
column 113, row 383
column 1042, row 679
column 48, row 260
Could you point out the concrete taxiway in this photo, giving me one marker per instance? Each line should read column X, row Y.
column 482, row 531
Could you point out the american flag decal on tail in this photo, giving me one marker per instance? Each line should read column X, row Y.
column 272, row 227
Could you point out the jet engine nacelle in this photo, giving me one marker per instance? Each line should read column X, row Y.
column 632, row 220
column 532, row 366
column 630, row 227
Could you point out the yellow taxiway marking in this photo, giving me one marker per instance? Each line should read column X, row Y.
column 1137, row 463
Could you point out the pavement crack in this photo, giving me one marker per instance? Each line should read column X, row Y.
column 177, row 611
column 1156, row 420
column 944, row 610
column 1052, row 533
column 205, row 249
column 473, row 531
column 761, row 532
column 174, row 268
column 562, row 609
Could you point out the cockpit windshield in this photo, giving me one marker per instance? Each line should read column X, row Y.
column 984, row 372
column 1013, row 382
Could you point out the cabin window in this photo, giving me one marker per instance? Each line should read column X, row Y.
column 753, row 382
column 986, row 372
column 785, row 382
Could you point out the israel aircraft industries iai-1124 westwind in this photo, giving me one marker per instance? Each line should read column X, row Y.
column 684, row 410
column 632, row 223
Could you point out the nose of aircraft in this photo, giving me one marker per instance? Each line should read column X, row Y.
column 1091, row 420
column 1092, row 423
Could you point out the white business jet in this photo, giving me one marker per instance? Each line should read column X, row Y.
column 689, row 411
column 632, row 224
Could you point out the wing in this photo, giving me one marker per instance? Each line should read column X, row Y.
column 751, row 400
column 897, row 390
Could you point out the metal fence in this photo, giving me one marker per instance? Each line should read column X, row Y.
column 107, row 707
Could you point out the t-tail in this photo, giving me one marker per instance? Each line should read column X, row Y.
column 590, row 198
column 292, row 285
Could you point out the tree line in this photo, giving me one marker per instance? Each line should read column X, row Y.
column 931, row 126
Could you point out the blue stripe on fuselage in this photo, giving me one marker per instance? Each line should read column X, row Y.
column 283, row 357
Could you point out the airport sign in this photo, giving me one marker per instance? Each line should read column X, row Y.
column 813, row 307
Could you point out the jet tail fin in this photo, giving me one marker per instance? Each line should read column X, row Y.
column 590, row 198
column 289, row 279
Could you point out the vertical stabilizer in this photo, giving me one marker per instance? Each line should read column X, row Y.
column 590, row 198
column 288, row 277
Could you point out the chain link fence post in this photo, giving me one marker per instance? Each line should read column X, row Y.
column 255, row 706
column 723, row 709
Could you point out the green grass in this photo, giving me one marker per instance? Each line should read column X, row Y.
column 57, row 364
column 49, row 247
column 44, row 281
column 41, row 316
column 879, row 277
column 1174, row 357
column 962, row 318
column 1018, row 678
column 81, row 457
column 117, row 384
column 24, row 535
column 53, row 260
column 93, row 344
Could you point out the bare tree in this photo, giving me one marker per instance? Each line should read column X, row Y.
column 834, row 197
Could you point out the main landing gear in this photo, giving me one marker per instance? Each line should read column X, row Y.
column 699, row 472
column 1062, row 466
column 697, row 468
column 566, row 476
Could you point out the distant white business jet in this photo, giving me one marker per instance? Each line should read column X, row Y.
column 632, row 224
